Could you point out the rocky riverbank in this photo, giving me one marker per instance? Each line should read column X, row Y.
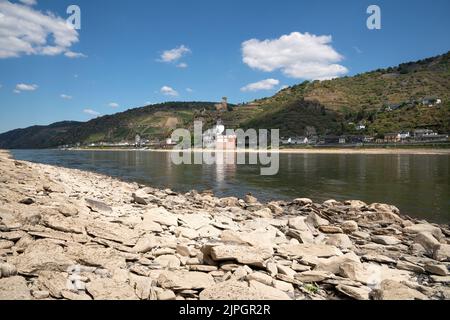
column 69, row 234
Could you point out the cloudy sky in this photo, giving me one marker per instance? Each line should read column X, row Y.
column 138, row 52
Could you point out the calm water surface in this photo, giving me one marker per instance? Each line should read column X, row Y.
column 418, row 184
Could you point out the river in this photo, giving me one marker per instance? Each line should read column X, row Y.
column 417, row 184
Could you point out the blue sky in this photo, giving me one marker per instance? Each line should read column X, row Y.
column 121, row 58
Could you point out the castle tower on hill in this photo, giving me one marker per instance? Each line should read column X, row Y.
column 223, row 105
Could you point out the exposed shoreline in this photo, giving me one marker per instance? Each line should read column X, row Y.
column 412, row 151
column 121, row 240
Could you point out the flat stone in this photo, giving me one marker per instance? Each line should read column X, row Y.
column 112, row 231
column 298, row 223
column 349, row 226
column 436, row 269
column 386, row 240
column 67, row 210
column 209, row 231
column 330, row 229
column 43, row 255
column 442, row 253
column 283, row 286
column 108, row 289
column 14, row 288
column 161, row 216
column 393, row 290
column 53, row 282
column 202, row 268
column 195, row 221
column 316, row 250
column 312, row 276
column 358, row 293
column 148, row 242
column 405, row 265
column 75, row 296
column 339, row 240
column 378, row 258
column 187, row 233
column 424, row 227
column 106, row 258
column 316, row 221
column 260, row 277
column 427, row 241
column 256, row 238
column 241, row 253
column 97, row 206
column 40, row 294
column 441, row 279
column 5, row 244
column 301, row 236
column 266, row 292
column 64, row 224
column 285, row 270
column 230, row 290
column 332, row 264
column 302, row 201
column 168, row 261
column 185, row 280
column 166, row 295
column 372, row 274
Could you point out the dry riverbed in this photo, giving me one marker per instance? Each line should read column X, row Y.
column 69, row 234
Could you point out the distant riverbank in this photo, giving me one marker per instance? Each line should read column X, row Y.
column 418, row 151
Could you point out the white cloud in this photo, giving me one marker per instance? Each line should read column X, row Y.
column 113, row 105
column 29, row 2
column 25, row 87
column 65, row 96
column 74, row 55
column 91, row 112
column 26, row 31
column 189, row 90
column 182, row 65
column 174, row 54
column 267, row 84
column 168, row 91
column 297, row 55
column 16, row 91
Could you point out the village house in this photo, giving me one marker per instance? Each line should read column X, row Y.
column 392, row 138
column 431, row 101
column 421, row 133
column 405, row 135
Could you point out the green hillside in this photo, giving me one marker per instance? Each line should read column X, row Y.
column 364, row 97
